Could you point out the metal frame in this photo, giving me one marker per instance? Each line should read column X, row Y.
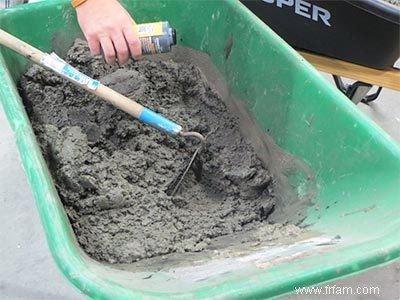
column 358, row 91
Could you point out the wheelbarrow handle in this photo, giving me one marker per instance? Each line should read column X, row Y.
column 55, row 64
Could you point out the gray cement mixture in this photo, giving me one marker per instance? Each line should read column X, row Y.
column 112, row 172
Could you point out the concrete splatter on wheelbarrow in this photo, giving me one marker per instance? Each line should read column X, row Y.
column 112, row 172
column 394, row 2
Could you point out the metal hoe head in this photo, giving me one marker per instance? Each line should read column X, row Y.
column 187, row 168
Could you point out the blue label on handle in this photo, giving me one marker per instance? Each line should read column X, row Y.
column 160, row 122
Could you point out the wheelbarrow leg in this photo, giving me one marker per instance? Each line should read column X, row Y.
column 358, row 91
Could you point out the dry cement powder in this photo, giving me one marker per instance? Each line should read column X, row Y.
column 112, row 172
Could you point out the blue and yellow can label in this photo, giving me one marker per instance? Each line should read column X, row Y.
column 149, row 29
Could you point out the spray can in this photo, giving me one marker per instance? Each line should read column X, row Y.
column 156, row 37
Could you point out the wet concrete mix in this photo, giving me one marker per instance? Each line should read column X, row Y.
column 112, row 173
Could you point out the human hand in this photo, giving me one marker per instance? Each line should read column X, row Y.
column 108, row 26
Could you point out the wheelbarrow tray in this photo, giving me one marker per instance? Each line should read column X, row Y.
column 356, row 165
